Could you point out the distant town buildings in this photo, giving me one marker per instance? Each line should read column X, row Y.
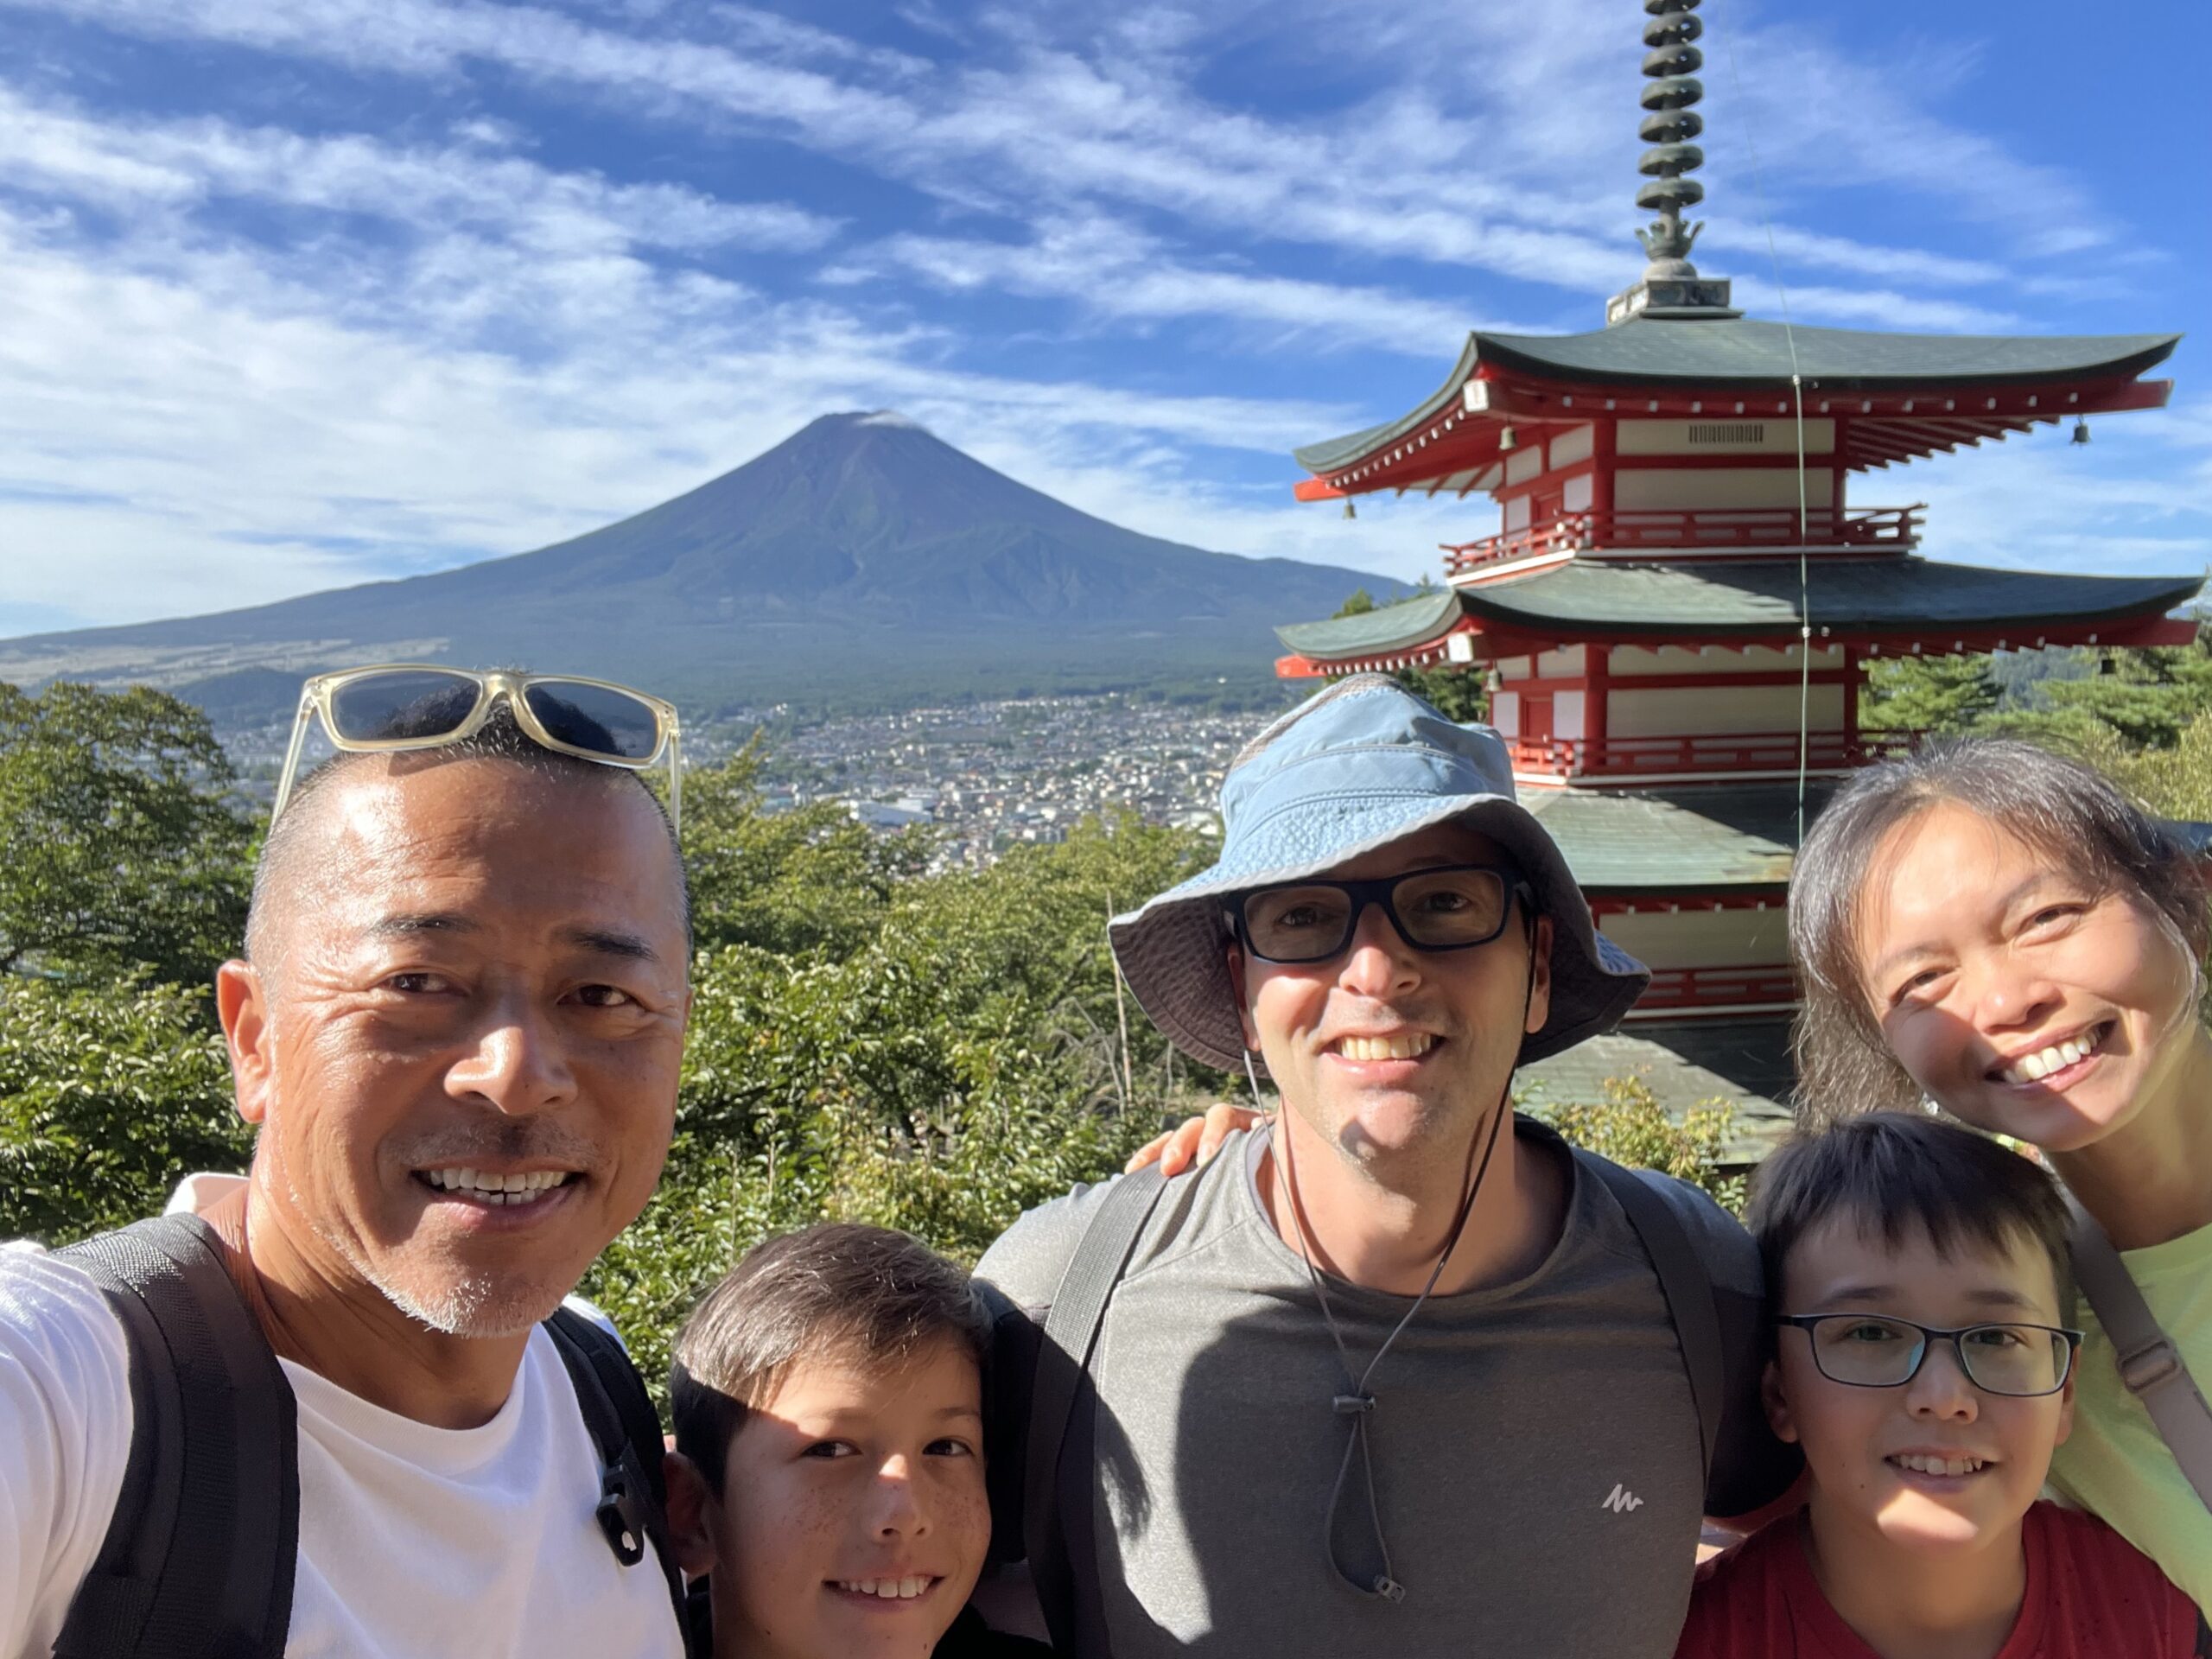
column 986, row 776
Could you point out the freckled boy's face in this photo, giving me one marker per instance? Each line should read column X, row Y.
column 1883, row 1459
column 854, row 1520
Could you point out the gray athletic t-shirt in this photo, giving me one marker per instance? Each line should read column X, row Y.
column 1534, row 1445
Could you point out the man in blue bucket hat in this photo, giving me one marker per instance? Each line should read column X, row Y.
column 1399, row 1372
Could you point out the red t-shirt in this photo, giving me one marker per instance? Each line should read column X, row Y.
column 2091, row 1595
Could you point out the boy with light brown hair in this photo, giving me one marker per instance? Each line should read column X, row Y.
column 828, row 1475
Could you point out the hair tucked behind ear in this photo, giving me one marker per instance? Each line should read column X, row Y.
column 2069, row 812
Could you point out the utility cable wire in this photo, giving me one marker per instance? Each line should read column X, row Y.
column 1797, row 397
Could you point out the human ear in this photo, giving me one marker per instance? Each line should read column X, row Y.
column 1234, row 955
column 242, row 1006
column 1540, row 976
column 2066, row 1407
column 693, row 1514
column 1771, row 1395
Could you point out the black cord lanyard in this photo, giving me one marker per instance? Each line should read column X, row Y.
column 1356, row 1401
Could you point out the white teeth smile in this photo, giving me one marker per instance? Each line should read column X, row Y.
column 885, row 1589
column 485, row 1187
column 1926, row 1465
column 2035, row 1067
column 1405, row 1045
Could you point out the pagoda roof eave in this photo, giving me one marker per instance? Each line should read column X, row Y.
column 1747, row 355
column 1407, row 624
column 1750, row 354
column 1332, row 453
column 1899, row 601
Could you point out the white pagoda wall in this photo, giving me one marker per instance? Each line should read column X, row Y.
column 1670, row 711
column 1714, row 489
column 1702, row 938
column 1625, row 661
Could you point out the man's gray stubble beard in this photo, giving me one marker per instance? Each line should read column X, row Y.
column 476, row 1307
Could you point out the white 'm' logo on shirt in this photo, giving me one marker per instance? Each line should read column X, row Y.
column 1620, row 1501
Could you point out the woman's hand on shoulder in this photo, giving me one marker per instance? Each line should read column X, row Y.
column 1193, row 1144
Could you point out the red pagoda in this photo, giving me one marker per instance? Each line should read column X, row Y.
column 1676, row 613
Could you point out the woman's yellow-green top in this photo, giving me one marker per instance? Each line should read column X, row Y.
column 2114, row 1464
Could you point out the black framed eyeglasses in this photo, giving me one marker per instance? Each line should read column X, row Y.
column 1876, row 1350
column 1451, row 907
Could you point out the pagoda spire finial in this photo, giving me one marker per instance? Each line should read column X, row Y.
column 1674, row 92
column 1671, row 286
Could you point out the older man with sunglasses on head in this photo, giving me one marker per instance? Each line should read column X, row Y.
column 341, row 1409
column 1399, row 1374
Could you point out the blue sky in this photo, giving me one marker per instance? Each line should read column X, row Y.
column 298, row 293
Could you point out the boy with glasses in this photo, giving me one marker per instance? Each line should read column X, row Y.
column 1924, row 1366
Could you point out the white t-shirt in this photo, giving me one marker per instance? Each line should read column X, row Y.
column 414, row 1541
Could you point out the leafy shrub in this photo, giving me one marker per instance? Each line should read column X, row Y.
column 107, row 1097
column 1629, row 1125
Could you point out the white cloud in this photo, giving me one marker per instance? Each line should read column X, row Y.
column 455, row 345
column 123, row 164
column 1109, row 269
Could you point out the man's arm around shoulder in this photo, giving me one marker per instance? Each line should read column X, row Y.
column 65, row 1438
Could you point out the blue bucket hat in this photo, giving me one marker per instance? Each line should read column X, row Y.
column 1352, row 769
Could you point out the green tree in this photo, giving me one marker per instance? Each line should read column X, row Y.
column 2148, row 697
column 1629, row 1125
column 1928, row 694
column 2175, row 782
column 1457, row 692
column 811, row 879
column 1359, row 604
column 108, row 1096
column 118, row 846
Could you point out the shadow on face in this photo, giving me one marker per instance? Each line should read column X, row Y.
column 462, row 1049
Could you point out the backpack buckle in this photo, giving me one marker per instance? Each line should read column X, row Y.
column 621, row 1515
column 2146, row 1367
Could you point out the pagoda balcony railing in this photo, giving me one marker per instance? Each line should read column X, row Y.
column 1719, row 529
column 1687, row 990
column 1633, row 757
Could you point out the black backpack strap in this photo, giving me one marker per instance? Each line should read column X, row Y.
column 1056, row 1499
column 626, row 1429
column 1685, row 1284
column 199, row 1558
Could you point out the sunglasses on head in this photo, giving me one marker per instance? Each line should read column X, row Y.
column 399, row 706
column 1452, row 907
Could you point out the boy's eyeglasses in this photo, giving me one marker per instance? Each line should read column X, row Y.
column 399, row 706
column 1450, row 908
column 1873, row 1350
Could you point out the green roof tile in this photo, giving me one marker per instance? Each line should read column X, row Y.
column 1387, row 628
column 1755, row 599
column 1692, row 840
column 1760, row 599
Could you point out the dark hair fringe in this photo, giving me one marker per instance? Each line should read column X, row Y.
column 1899, row 1172
column 2067, row 809
column 835, row 1290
